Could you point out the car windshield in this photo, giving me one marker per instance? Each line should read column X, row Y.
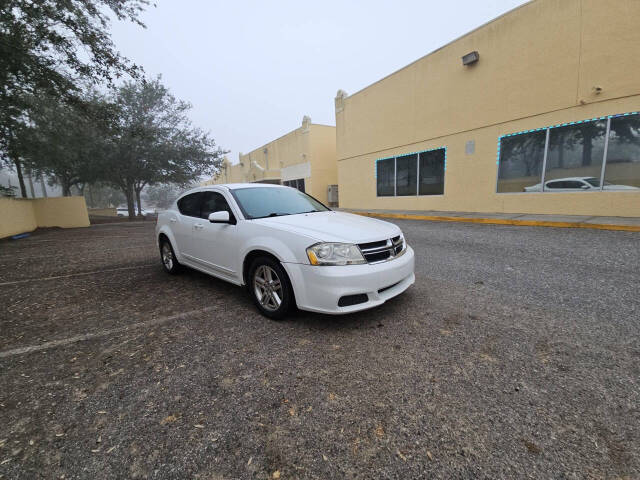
column 262, row 202
column 593, row 181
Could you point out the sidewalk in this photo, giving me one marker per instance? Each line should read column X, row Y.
column 629, row 224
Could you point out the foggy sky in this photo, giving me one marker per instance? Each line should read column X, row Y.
column 252, row 69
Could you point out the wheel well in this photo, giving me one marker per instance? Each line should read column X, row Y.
column 250, row 257
column 162, row 237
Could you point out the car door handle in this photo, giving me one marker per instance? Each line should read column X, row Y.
column 198, row 226
column 172, row 220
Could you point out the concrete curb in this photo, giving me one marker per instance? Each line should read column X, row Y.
column 503, row 221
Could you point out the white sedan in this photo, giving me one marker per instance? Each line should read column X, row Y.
column 286, row 247
column 574, row 184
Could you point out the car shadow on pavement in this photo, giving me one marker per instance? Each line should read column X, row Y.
column 376, row 317
column 388, row 313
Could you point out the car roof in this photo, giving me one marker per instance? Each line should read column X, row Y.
column 569, row 178
column 235, row 186
column 231, row 186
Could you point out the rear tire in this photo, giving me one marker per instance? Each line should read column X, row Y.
column 168, row 258
column 270, row 288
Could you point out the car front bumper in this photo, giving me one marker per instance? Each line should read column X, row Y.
column 319, row 288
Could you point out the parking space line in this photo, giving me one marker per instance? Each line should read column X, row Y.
column 142, row 246
column 27, row 280
column 104, row 333
column 76, row 239
column 127, row 223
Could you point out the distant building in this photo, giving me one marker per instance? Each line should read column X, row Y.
column 533, row 112
column 304, row 158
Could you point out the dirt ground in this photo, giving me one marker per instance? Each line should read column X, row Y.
column 501, row 362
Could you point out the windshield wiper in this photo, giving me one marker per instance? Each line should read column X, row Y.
column 274, row 214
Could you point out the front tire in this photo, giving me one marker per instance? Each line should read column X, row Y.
column 270, row 288
column 168, row 257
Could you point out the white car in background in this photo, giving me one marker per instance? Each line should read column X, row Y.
column 574, row 184
column 286, row 247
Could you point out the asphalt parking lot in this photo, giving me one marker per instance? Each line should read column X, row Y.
column 515, row 355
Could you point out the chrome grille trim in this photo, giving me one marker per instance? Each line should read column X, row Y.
column 383, row 250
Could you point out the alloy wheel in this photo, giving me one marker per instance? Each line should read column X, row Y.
column 167, row 256
column 267, row 287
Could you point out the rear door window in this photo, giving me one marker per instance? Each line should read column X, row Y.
column 574, row 184
column 556, row 185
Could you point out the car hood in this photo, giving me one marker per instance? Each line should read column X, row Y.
column 620, row 187
column 333, row 226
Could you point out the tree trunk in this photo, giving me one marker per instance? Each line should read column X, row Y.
column 33, row 192
column 561, row 151
column 587, row 146
column 23, row 187
column 44, row 188
column 128, row 191
column 138, row 190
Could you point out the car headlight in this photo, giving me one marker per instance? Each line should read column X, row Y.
column 335, row 254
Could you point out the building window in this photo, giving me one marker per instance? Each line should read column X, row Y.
column 419, row 173
column 298, row 183
column 386, row 177
column 575, row 157
column 623, row 153
column 575, row 153
column 406, row 175
column 431, row 170
column 521, row 160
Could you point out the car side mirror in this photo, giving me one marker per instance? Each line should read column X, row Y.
column 585, row 187
column 219, row 217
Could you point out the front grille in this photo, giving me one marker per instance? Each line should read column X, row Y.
column 383, row 250
column 367, row 246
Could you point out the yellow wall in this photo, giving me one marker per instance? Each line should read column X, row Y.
column 16, row 216
column 311, row 143
column 538, row 67
column 324, row 166
column 25, row 215
column 287, row 150
column 229, row 173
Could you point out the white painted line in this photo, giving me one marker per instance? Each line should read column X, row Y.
column 78, row 238
column 104, row 333
column 75, row 251
column 130, row 224
column 28, row 280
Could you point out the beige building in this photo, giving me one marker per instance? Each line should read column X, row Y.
column 542, row 108
column 304, row 158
